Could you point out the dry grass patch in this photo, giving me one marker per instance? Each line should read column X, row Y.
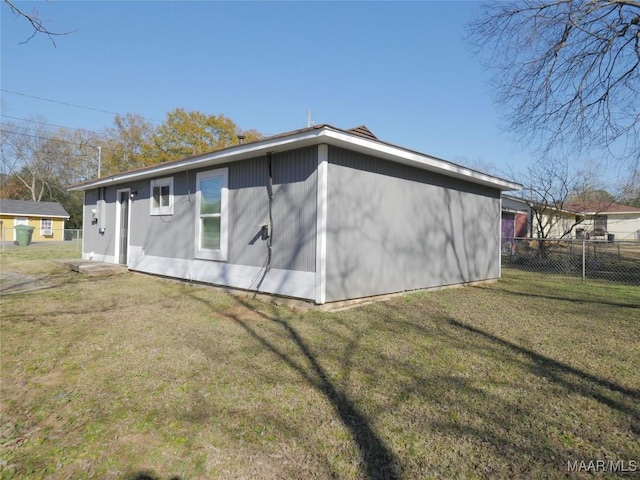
column 110, row 377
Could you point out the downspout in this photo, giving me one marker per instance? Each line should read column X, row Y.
column 500, row 235
column 102, row 221
column 269, row 227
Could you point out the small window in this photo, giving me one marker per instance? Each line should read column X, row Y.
column 600, row 224
column 162, row 196
column 46, row 227
column 211, row 211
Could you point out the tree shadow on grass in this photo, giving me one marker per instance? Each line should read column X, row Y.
column 378, row 461
column 580, row 300
column 488, row 416
column 573, row 379
column 147, row 475
column 505, row 428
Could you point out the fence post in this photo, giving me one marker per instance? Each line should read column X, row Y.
column 584, row 262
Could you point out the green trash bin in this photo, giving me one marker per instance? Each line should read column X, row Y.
column 24, row 233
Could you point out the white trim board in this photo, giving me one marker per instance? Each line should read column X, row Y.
column 312, row 136
column 116, row 226
column 321, row 223
column 98, row 257
column 289, row 283
column 500, row 239
column 32, row 215
column 221, row 253
column 84, row 218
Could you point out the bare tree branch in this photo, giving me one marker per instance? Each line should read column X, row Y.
column 567, row 72
column 37, row 24
column 553, row 190
column 42, row 160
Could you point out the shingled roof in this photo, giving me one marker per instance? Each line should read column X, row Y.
column 363, row 132
column 25, row 208
column 600, row 207
column 359, row 139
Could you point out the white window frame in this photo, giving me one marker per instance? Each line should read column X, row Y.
column 600, row 221
column 118, row 230
column 44, row 231
column 161, row 210
column 206, row 253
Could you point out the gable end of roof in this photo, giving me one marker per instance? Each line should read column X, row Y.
column 363, row 131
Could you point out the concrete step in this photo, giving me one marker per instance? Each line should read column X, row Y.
column 93, row 268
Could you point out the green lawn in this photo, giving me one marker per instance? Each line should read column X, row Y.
column 112, row 377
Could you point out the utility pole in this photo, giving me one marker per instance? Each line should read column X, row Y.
column 99, row 160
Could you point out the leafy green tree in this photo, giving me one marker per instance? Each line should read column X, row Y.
column 72, row 203
column 250, row 135
column 593, row 196
column 187, row 133
column 128, row 144
column 134, row 142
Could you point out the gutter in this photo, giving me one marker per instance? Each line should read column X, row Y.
column 304, row 138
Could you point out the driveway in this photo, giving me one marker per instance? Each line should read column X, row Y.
column 14, row 282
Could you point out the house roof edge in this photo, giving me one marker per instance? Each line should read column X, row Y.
column 323, row 133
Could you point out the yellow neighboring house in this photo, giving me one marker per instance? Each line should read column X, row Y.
column 47, row 219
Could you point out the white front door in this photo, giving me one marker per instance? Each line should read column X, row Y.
column 122, row 225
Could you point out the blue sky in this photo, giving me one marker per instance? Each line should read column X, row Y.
column 401, row 68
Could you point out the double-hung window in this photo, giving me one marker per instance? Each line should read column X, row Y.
column 600, row 224
column 162, row 196
column 211, row 214
column 46, row 227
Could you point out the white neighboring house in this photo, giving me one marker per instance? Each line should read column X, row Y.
column 594, row 220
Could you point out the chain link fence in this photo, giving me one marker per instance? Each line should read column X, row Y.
column 9, row 237
column 614, row 261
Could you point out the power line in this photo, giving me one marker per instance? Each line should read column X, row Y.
column 82, row 130
column 40, row 137
column 61, row 103
column 72, row 104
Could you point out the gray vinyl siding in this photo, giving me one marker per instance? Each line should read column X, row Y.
column 392, row 228
column 248, row 210
column 88, row 233
column 164, row 235
column 93, row 241
column 173, row 236
column 294, row 209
